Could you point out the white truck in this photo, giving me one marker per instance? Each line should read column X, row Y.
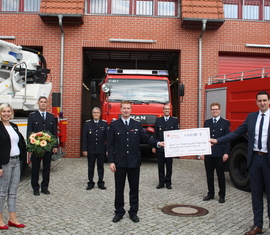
column 23, row 79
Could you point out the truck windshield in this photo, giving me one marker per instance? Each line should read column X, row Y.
column 138, row 90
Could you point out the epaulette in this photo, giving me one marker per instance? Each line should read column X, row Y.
column 88, row 120
column 31, row 113
column 114, row 119
column 174, row 117
column 103, row 120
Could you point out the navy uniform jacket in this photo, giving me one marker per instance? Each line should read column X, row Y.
column 248, row 126
column 221, row 128
column 6, row 144
column 161, row 126
column 94, row 137
column 36, row 123
column 124, row 144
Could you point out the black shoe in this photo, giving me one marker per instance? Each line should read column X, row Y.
column 45, row 191
column 36, row 193
column 102, row 187
column 207, row 198
column 160, row 186
column 168, row 186
column 117, row 218
column 134, row 218
column 89, row 187
column 221, row 200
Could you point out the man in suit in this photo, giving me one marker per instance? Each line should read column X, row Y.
column 94, row 147
column 220, row 153
column 41, row 120
column 125, row 136
column 165, row 123
column 258, row 159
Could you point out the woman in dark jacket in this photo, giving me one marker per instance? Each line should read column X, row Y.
column 12, row 149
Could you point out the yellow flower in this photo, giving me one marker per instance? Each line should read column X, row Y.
column 43, row 143
column 32, row 136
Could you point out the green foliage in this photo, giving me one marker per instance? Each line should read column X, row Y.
column 41, row 142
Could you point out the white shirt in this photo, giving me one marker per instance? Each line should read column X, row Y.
column 125, row 120
column 217, row 118
column 42, row 115
column 14, row 140
column 264, row 131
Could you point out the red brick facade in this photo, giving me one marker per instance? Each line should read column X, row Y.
column 96, row 31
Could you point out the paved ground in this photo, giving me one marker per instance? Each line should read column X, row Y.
column 70, row 209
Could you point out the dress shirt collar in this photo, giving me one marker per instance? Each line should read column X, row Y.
column 128, row 120
column 217, row 118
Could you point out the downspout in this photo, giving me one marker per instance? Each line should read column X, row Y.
column 204, row 21
column 60, row 17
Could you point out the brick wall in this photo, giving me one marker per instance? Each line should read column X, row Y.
column 97, row 30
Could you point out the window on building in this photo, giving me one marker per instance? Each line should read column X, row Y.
column 133, row 7
column 20, row 5
column 247, row 9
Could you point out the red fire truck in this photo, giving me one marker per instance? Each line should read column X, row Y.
column 236, row 93
column 148, row 90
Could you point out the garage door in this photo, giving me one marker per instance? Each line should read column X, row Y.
column 238, row 63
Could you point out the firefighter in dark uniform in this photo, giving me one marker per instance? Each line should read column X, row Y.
column 220, row 153
column 165, row 123
column 94, row 147
column 41, row 121
column 125, row 136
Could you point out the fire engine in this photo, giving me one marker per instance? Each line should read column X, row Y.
column 236, row 94
column 23, row 79
column 148, row 90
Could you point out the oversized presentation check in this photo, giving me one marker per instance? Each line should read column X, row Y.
column 187, row 142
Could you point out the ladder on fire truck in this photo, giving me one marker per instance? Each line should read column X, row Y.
column 240, row 76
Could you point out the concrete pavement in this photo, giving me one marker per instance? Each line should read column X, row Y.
column 70, row 209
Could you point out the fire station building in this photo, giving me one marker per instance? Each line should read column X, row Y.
column 191, row 39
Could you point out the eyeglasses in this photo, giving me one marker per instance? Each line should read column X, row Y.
column 214, row 109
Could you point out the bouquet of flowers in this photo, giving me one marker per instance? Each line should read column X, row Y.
column 40, row 142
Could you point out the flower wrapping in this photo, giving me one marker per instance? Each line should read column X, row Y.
column 41, row 142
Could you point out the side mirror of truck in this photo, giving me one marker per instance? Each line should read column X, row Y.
column 106, row 87
column 93, row 89
column 181, row 91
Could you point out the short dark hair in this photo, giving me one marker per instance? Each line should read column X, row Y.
column 263, row 93
column 42, row 97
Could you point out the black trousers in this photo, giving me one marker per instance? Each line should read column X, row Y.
column 162, row 163
column 133, row 175
column 46, row 161
column 212, row 163
column 259, row 173
column 100, row 168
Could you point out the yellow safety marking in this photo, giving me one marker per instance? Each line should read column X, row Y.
column 22, row 124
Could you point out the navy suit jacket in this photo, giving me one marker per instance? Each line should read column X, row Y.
column 161, row 125
column 124, row 143
column 248, row 126
column 221, row 128
column 95, row 136
column 6, row 144
column 36, row 123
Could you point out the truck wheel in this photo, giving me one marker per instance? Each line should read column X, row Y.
column 238, row 167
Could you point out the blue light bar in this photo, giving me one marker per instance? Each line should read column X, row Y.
column 163, row 72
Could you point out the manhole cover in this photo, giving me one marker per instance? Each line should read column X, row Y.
column 184, row 210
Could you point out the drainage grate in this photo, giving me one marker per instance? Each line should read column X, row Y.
column 184, row 210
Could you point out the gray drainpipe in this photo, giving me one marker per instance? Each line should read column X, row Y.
column 60, row 17
column 200, row 74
